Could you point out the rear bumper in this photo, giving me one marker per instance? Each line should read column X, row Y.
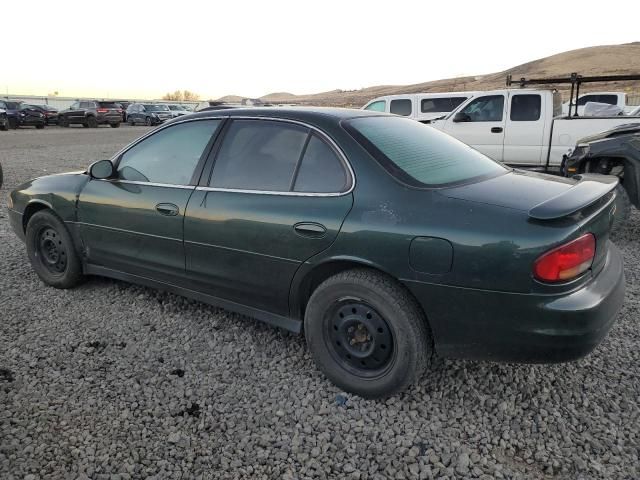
column 486, row 325
column 111, row 118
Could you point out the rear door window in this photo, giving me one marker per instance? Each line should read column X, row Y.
column 419, row 155
column 525, row 108
column 259, row 155
column 320, row 171
column 401, row 106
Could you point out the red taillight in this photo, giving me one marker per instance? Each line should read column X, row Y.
column 102, row 110
column 567, row 261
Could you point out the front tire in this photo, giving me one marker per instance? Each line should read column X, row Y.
column 51, row 251
column 148, row 122
column 13, row 123
column 367, row 334
column 63, row 122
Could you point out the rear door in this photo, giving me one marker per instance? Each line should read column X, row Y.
column 402, row 106
column 134, row 222
column 525, row 131
column 480, row 124
column 277, row 195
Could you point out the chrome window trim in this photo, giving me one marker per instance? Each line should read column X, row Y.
column 341, row 156
column 149, row 184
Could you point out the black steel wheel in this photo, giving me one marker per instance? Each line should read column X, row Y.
column 360, row 339
column 51, row 250
column 367, row 334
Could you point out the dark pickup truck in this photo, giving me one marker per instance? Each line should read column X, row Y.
column 91, row 113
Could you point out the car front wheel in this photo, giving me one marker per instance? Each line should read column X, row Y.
column 367, row 334
column 148, row 122
column 51, row 251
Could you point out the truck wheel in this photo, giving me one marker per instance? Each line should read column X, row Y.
column 51, row 251
column 367, row 334
column 92, row 122
column 623, row 210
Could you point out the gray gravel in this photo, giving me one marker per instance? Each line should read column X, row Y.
column 114, row 381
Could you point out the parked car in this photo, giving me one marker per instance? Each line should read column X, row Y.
column 177, row 110
column 31, row 116
column 619, row 99
column 615, row 152
column 385, row 238
column 522, row 127
column 50, row 113
column 91, row 113
column 4, row 120
column 148, row 114
column 12, row 110
column 423, row 107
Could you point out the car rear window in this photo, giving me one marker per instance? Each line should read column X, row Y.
column 420, row 155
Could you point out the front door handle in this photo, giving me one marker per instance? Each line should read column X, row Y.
column 168, row 209
column 310, row 229
column 496, row 129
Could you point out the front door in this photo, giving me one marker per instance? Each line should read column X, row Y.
column 277, row 196
column 480, row 124
column 134, row 222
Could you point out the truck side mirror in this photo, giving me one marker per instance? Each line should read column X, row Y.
column 461, row 117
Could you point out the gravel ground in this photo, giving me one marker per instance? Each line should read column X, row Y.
column 114, row 381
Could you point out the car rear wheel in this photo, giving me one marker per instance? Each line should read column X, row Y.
column 13, row 123
column 147, row 121
column 51, row 251
column 367, row 334
column 4, row 124
column 63, row 122
column 92, row 122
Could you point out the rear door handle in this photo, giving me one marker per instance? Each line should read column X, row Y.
column 310, row 229
column 496, row 129
column 168, row 209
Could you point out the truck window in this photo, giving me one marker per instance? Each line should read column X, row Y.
column 610, row 99
column 378, row 106
column 437, row 105
column 485, row 109
column 400, row 107
column 525, row 108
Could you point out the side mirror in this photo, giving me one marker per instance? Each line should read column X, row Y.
column 101, row 169
column 461, row 117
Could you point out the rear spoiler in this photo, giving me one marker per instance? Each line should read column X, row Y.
column 589, row 189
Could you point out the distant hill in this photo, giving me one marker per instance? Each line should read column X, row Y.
column 601, row 60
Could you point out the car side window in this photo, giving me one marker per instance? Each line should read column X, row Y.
column 74, row 105
column 169, row 156
column 259, row 155
column 485, row 109
column 525, row 108
column 401, row 106
column 378, row 106
column 320, row 171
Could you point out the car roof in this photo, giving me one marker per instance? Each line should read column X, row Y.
column 291, row 113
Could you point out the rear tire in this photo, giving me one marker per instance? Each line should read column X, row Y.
column 4, row 126
column 623, row 210
column 51, row 251
column 13, row 123
column 92, row 122
column 367, row 334
column 63, row 122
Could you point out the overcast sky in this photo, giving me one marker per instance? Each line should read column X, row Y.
column 146, row 48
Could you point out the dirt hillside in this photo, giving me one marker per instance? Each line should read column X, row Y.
column 601, row 60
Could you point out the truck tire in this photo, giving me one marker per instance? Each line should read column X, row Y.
column 623, row 210
column 367, row 334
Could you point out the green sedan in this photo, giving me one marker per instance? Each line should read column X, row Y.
column 384, row 240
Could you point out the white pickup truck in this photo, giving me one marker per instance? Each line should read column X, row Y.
column 522, row 127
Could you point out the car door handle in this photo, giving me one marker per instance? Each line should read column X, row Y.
column 168, row 209
column 496, row 129
column 310, row 229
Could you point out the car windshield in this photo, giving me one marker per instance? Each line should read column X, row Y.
column 420, row 155
column 156, row 108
